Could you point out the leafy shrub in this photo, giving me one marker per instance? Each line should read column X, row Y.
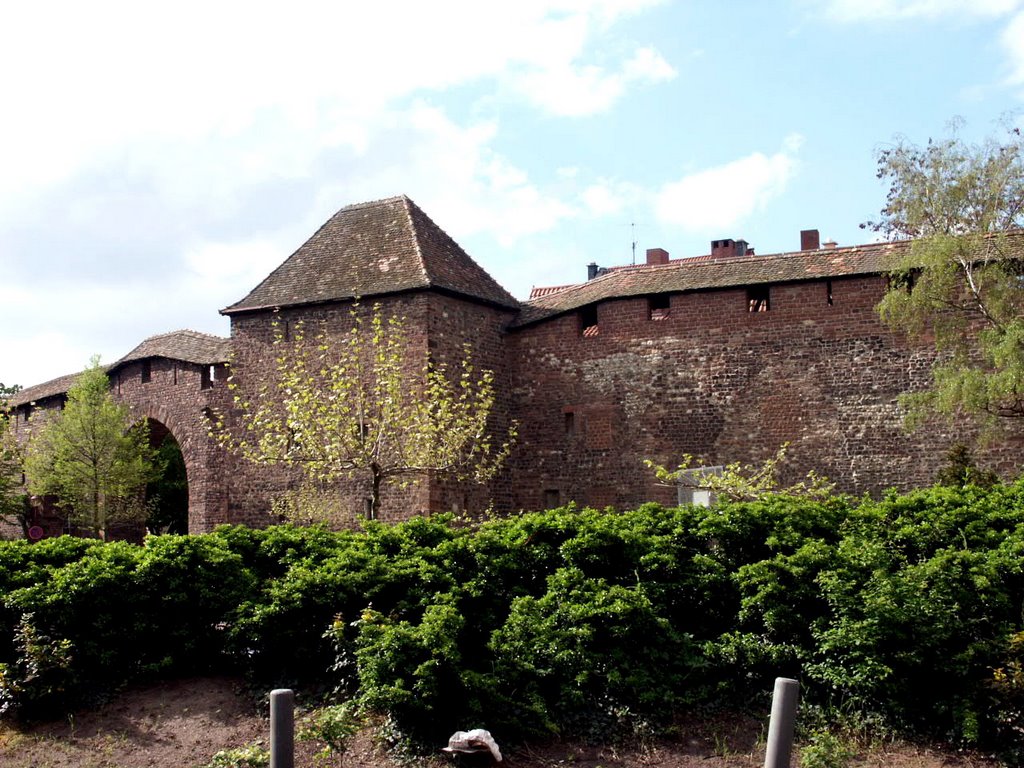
column 333, row 726
column 40, row 676
column 892, row 611
column 251, row 756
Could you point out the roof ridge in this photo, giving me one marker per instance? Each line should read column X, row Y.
column 185, row 330
column 407, row 206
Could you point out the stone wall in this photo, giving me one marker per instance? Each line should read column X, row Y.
column 714, row 379
column 434, row 325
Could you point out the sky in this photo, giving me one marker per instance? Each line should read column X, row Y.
column 158, row 160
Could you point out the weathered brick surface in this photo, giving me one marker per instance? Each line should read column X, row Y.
column 716, row 380
column 434, row 324
column 176, row 397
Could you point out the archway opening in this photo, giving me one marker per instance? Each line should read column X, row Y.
column 167, row 495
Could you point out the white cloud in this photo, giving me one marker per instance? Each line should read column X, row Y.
column 569, row 89
column 94, row 77
column 716, row 199
column 864, row 10
column 195, row 145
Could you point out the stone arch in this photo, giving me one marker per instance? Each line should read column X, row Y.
column 193, row 441
column 163, row 494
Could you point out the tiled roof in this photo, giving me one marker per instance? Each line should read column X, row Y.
column 50, row 388
column 188, row 346
column 704, row 272
column 372, row 249
column 545, row 290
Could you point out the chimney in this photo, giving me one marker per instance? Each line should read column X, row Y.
column 592, row 270
column 830, row 244
column 728, row 248
column 657, row 256
column 810, row 240
column 721, row 249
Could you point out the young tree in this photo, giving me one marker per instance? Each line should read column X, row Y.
column 91, row 457
column 959, row 283
column 358, row 406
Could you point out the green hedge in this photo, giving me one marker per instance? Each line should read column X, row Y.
column 898, row 609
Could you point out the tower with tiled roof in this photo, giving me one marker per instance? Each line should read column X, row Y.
column 389, row 254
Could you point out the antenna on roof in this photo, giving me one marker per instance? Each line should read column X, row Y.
column 632, row 231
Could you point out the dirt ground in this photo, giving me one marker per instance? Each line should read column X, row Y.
column 182, row 724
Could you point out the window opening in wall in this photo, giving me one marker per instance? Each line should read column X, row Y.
column 658, row 306
column 147, row 371
column 62, row 401
column 828, row 292
column 588, row 321
column 551, row 498
column 570, row 423
column 175, row 373
column 904, row 280
column 206, row 377
column 692, row 486
column 758, row 299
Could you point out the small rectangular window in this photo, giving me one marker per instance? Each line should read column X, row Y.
column 693, row 486
column 570, row 423
column 828, row 292
column 588, row 321
column 551, row 498
column 175, row 373
column 658, row 306
column 147, row 371
column 758, row 299
column 206, row 377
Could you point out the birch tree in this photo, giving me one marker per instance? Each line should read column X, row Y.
column 959, row 285
column 359, row 406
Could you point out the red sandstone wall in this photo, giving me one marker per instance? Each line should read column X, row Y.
column 434, row 323
column 714, row 379
column 176, row 397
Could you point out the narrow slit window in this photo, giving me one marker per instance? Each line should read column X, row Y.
column 828, row 292
column 658, row 307
column 207, row 376
column 758, row 299
column 147, row 371
column 570, row 423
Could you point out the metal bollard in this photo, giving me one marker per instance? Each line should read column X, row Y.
column 783, row 720
column 282, row 728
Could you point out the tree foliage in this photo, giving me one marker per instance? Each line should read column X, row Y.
column 358, row 406
column 959, row 283
column 741, row 482
column 13, row 500
column 91, row 457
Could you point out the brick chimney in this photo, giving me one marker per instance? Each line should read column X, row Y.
column 592, row 270
column 657, row 256
column 721, row 249
column 810, row 240
column 728, row 248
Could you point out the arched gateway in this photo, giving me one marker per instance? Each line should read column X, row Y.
column 172, row 380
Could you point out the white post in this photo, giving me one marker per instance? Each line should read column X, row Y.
column 783, row 720
column 282, row 728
